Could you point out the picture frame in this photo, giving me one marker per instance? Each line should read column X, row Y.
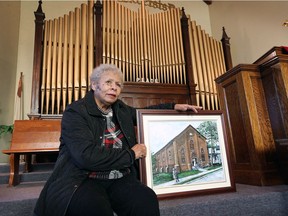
column 187, row 152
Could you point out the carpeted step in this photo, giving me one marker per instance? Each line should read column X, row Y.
column 39, row 172
column 35, row 176
column 247, row 201
column 265, row 204
column 4, row 172
column 4, row 178
column 5, row 167
column 18, row 207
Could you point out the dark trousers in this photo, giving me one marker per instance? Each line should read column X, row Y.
column 125, row 196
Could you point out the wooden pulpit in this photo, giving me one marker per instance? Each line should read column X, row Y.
column 254, row 98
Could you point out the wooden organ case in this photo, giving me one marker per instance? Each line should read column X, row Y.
column 164, row 57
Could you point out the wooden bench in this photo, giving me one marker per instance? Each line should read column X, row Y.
column 31, row 137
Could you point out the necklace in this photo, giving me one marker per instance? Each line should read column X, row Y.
column 103, row 111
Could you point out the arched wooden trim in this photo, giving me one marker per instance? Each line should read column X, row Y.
column 188, row 60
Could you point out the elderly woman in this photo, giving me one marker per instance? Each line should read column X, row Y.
column 96, row 170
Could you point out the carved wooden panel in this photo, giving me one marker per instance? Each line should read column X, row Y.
column 239, row 147
column 140, row 95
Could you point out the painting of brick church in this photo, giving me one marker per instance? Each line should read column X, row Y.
column 184, row 152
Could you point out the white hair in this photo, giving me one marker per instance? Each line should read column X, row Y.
column 104, row 68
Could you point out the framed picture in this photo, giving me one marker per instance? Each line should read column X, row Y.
column 187, row 152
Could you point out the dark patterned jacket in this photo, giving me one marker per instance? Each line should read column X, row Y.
column 81, row 151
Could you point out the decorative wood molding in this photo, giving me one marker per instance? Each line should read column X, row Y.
column 150, row 3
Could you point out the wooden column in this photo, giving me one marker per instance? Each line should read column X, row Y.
column 226, row 50
column 98, row 35
column 36, row 77
column 188, row 59
column 253, row 149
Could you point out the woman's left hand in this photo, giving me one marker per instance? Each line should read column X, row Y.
column 185, row 107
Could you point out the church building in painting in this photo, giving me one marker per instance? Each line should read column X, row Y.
column 184, row 152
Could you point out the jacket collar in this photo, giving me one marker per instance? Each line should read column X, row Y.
column 92, row 106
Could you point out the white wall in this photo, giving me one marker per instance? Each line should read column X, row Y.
column 253, row 26
column 198, row 11
column 9, row 25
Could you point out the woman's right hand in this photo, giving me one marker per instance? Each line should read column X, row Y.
column 139, row 150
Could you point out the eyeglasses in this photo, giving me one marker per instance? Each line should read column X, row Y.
column 111, row 83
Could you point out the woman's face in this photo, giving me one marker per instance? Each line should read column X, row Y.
column 107, row 89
